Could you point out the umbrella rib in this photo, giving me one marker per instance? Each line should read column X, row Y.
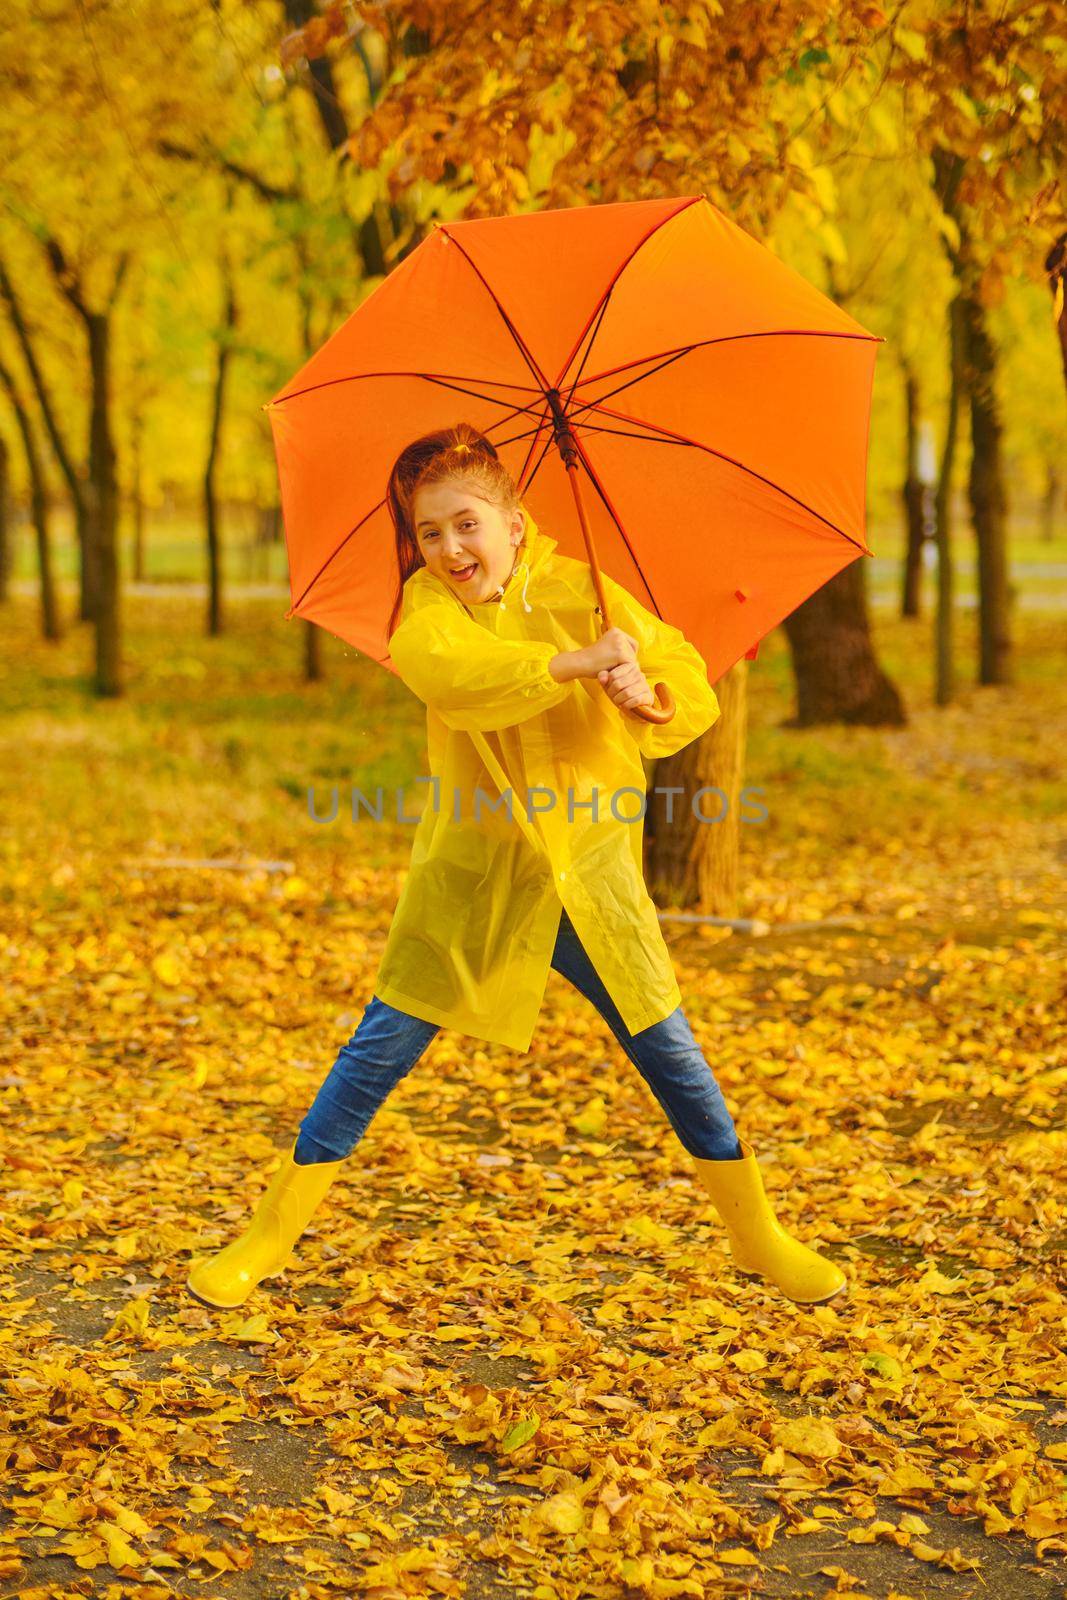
column 334, row 553
column 526, row 353
column 610, row 509
column 607, row 506
column 514, row 412
column 667, row 356
column 430, row 377
column 549, row 442
column 578, row 377
column 657, row 435
column 667, row 361
column 599, row 309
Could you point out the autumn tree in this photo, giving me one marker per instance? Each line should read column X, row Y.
column 986, row 102
column 81, row 186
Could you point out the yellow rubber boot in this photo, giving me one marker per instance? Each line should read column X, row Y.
column 284, row 1211
column 758, row 1242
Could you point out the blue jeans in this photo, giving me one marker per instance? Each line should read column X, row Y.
column 388, row 1042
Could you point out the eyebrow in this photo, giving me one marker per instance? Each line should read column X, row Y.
column 428, row 522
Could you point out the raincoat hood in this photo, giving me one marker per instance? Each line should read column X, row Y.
column 536, row 799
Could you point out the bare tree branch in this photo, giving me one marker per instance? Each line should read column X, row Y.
column 209, row 156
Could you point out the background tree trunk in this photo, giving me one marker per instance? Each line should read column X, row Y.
column 914, row 498
column 945, row 687
column 321, row 83
column 370, row 244
column 987, row 494
column 137, row 496
column 312, row 652
column 104, row 505
column 974, row 355
column 1051, row 503
column 1056, row 267
column 690, row 863
column 223, row 355
column 838, row 678
column 51, row 627
column 377, row 236
column 74, row 479
column 102, row 499
column 7, row 539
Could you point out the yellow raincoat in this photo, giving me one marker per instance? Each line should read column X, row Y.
column 471, row 941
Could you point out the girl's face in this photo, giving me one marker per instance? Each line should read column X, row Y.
column 466, row 541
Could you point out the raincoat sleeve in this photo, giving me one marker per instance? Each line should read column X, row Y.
column 664, row 655
column 474, row 681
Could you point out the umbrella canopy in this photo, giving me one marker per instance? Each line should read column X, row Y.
column 720, row 405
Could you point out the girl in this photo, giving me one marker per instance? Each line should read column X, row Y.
column 527, row 864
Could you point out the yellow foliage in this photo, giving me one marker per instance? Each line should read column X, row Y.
column 514, row 1320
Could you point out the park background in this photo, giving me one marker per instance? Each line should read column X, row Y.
column 512, row 1356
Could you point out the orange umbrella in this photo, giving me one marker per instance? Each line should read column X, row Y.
column 715, row 405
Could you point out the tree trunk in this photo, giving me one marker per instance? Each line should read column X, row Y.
column 1056, row 267
column 51, row 627
column 914, row 497
column 379, row 229
column 224, row 351
column 6, row 534
column 320, row 73
column 103, row 519
column 987, row 493
column 945, row 686
column 838, row 677
column 373, row 238
column 313, row 668
column 312, row 652
column 1050, row 503
column 693, row 837
column 137, row 496
column 974, row 355
column 75, row 481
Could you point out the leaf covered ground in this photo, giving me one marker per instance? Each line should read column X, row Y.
column 511, row 1356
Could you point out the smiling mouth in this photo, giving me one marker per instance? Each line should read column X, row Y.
column 465, row 572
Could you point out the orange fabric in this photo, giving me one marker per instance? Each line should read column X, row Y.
column 720, row 401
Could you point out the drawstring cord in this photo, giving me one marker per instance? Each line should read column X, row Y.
column 525, row 581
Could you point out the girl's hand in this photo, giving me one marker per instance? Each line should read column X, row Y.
column 612, row 648
column 627, row 686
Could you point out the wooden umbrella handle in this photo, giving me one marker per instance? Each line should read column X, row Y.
column 663, row 710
